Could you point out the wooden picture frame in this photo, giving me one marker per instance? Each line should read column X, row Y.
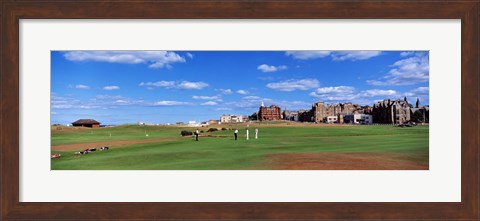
column 12, row 11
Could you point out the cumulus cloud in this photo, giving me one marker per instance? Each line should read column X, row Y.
column 223, row 109
column 226, row 91
column 339, row 93
column 292, row 85
column 98, row 102
column 209, row 103
column 187, row 85
column 271, row 68
column 354, row 55
column 351, row 94
column 243, row 92
column 81, row 86
column 111, row 88
column 421, row 92
column 407, row 71
column 159, row 84
column 190, row 55
column 170, row 103
column 334, row 55
column 377, row 92
column 406, row 53
column 306, row 55
column 154, row 59
column 205, row 97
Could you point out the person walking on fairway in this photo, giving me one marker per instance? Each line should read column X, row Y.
column 256, row 133
column 235, row 133
column 247, row 132
column 196, row 135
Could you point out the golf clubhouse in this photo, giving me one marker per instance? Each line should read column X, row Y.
column 86, row 123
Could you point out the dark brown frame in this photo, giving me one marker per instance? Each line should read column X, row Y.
column 11, row 11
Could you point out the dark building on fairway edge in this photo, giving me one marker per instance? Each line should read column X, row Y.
column 86, row 123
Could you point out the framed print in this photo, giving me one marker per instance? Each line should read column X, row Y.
column 239, row 110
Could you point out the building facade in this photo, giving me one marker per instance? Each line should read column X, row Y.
column 269, row 113
column 86, row 123
column 230, row 118
column 392, row 112
column 332, row 119
column 358, row 119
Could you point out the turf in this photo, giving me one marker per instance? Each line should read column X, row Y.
column 222, row 152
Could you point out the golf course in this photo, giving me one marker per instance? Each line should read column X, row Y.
column 280, row 146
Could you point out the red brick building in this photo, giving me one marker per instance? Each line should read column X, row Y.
column 269, row 113
column 86, row 123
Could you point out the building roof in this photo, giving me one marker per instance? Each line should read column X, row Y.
column 86, row 121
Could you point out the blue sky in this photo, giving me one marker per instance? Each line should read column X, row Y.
column 116, row 87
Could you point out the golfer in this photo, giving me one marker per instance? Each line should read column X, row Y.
column 196, row 134
column 256, row 133
column 235, row 133
column 247, row 133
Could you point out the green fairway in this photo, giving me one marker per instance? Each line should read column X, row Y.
column 165, row 149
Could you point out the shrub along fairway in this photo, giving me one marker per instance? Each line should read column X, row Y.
column 280, row 146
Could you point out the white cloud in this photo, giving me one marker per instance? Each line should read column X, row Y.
column 209, row 103
column 110, row 88
column 154, row 59
column 377, row 92
column 350, row 94
column 408, row 71
column 292, row 85
column 223, row 109
column 354, row 55
column 188, row 85
column 406, row 53
column 159, row 84
column 339, row 93
column 306, row 55
column 243, row 92
column 170, row 103
column 81, row 86
column 190, row 55
column 226, row 91
column 107, row 102
column 270, row 68
column 251, row 98
column 421, row 92
column 205, row 97
column 335, row 55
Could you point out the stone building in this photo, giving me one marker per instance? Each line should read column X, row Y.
column 290, row 115
column 86, row 123
column 319, row 112
column 230, row 118
column 269, row 113
column 322, row 111
column 391, row 112
column 420, row 114
column 306, row 115
column 358, row 119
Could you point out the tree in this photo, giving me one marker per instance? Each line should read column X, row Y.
column 253, row 116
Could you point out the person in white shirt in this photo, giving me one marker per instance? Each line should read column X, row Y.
column 196, row 135
column 235, row 133
column 247, row 133
column 256, row 133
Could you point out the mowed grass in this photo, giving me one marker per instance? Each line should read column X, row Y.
column 221, row 152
